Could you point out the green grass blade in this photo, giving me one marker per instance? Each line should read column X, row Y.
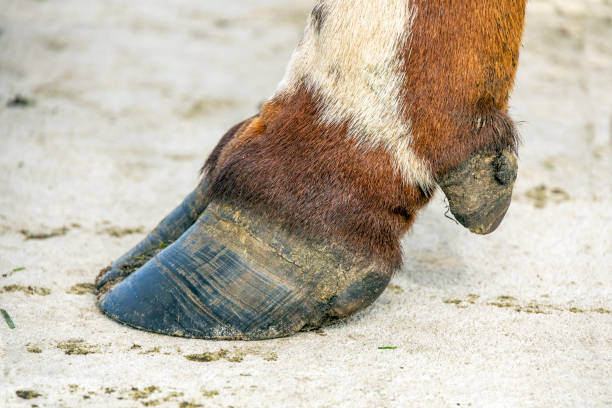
column 8, row 319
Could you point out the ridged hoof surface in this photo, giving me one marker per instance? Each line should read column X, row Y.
column 236, row 275
column 166, row 232
column 479, row 191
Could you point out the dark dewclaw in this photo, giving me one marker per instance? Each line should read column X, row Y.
column 236, row 275
column 166, row 232
column 479, row 190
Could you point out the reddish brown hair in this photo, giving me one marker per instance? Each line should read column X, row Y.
column 458, row 67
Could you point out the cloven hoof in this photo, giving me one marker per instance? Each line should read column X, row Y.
column 219, row 270
column 479, row 190
column 166, row 232
column 234, row 274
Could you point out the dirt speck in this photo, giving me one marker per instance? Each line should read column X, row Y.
column 20, row 101
column 541, row 195
column 44, row 234
column 187, row 404
column 472, row 298
column 27, row 394
column 209, row 356
column 502, row 304
column 208, row 393
column 536, row 308
column 155, row 402
column 119, row 232
column 28, row 290
column 137, row 394
column 395, row 289
column 81, row 289
column 73, row 388
column 173, row 394
column 510, row 302
column 77, row 347
column 138, row 261
column 503, row 301
column 153, row 350
column 15, row 270
column 271, row 356
column 33, row 349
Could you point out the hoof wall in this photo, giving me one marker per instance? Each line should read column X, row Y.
column 236, row 275
column 166, row 232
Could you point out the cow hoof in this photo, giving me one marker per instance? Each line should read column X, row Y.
column 235, row 274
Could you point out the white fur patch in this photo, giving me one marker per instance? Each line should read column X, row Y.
column 353, row 63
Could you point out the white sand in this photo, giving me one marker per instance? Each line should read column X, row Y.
column 129, row 99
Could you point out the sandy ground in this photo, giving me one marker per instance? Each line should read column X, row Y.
column 122, row 101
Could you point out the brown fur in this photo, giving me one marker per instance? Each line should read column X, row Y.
column 313, row 178
column 460, row 67
column 459, row 63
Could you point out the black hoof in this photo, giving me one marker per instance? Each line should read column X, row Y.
column 479, row 191
column 236, row 275
column 166, row 232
